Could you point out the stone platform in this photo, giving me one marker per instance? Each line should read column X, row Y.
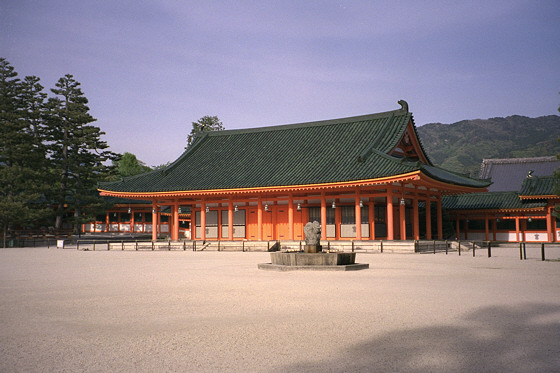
column 340, row 261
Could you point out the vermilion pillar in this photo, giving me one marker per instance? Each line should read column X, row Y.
column 132, row 221
column 371, row 218
column 230, row 220
column 416, row 226
column 323, row 216
column 402, row 219
column 337, row 222
column 175, row 232
column 154, row 221
column 203, row 220
column 439, row 219
column 290, row 217
column 549, row 228
column 517, row 228
column 259, row 220
column 358, row 216
column 486, row 228
column 428, row 219
column 390, row 229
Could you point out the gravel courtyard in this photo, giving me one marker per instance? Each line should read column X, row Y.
column 183, row 311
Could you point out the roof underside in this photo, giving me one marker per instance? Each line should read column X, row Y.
column 341, row 150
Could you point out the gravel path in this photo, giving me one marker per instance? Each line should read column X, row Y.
column 177, row 311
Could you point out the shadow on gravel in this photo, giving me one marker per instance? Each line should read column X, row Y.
column 523, row 338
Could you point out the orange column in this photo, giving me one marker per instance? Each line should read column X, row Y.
column 154, row 221
column 358, row 216
column 175, row 233
column 259, row 219
column 230, row 220
column 549, row 225
column 192, row 224
column 337, row 222
column 323, row 216
column 371, row 218
column 203, row 220
column 290, row 217
column 402, row 219
column 132, row 220
column 416, row 229
column 517, row 228
column 390, row 228
column 439, row 219
column 428, row 219
column 486, row 228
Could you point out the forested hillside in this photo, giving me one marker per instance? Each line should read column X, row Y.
column 461, row 146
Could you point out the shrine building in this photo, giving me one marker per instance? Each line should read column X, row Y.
column 363, row 178
column 525, row 215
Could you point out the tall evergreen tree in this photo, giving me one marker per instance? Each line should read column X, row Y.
column 22, row 158
column 129, row 165
column 78, row 154
column 204, row 124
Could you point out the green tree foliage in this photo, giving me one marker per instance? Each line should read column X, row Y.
column 78, row 155
column 204, row 124
column 129, row 165
column 22, row 154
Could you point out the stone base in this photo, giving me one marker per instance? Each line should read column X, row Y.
column 340, row 261
column 312, row 249
column 284, row 268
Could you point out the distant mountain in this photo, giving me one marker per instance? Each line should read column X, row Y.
column 461, row 146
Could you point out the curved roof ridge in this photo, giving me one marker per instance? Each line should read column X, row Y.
column 519, row 159
column 326, row 122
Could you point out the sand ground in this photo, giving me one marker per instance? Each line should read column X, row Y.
column 177, row 311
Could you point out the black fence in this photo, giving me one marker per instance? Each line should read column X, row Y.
column 523, row 250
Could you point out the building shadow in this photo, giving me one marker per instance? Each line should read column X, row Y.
column 524, row 338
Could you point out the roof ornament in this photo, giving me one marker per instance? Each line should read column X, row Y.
column 404, row 105
column 530, row 174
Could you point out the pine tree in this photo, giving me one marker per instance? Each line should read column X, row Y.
column 204, row 124
column 129, row 165
column 22, row 158
column 78, row 154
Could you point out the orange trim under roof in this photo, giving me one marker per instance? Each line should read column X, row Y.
column 356, row 183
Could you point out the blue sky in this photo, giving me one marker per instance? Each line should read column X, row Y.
column 150, row 68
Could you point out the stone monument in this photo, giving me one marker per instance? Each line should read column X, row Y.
column 312, row 257
column 312, row 233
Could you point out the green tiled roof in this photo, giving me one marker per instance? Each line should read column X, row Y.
column 119, row 201
column 539, row 186
column 488, row 201
column 339, row 150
